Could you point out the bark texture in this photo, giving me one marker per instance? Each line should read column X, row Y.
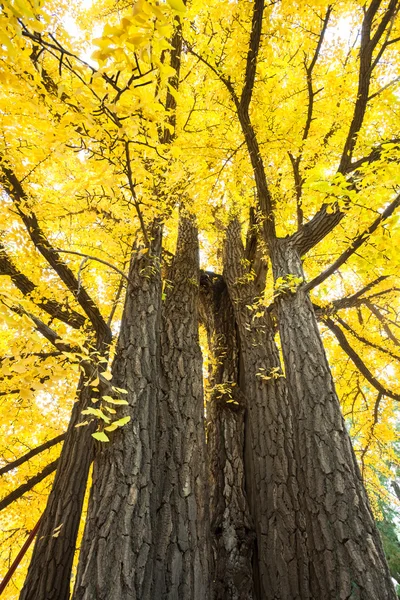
column 232, row 530
column 116, row 554
column 181, row 567
column 347, row 560
column 49, row 572
column 281, row 561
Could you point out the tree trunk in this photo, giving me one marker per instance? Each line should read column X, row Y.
column 345, row 550
column 232, row 531
column 182, row 517
column 49, row 572
column 281, row 562
column 115, row 562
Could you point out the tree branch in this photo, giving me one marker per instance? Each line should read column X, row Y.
column 14, row 189
column 359, row 241
column 100, row 260
column 364, row 340
column 374, row 310
column 30, row 484
column 328, row 217
column 309, row 72
column 26, row 287
column 355, row 299
column 358, row 362
column 372, row 157
column 364, row 76
column 251, row 63
column 34, row 452
column 45, row 330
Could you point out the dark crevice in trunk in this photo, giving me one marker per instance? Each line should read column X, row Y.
column 281, row 561
column 232, row 529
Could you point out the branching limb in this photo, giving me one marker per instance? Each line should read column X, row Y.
column 358, row 362
column 133, row 193
column 28, row 486
column 368, row 45
column 328, row 217
column 357, row 298
column 375, row 311
column 359, row 240
column 45, row 330
column 371, row 432
column 252, row 54
column 364, row 340
column 34, row 452
column 89, row 257
column 295, row 161
column 309, row 71
column 26, row 287
column 372, row 157
column 14, row 189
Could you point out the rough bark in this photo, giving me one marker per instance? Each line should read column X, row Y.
column 281, row 562
column 232, row 531
column 345, row 550
column 50, row 568
column 181, row 568
column 115, row 562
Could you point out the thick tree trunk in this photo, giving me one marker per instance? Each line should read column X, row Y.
column 281, row 562
column 231, row 528
column 49, row 572
column 115, row 562
column 345, row 550
column 181, row 570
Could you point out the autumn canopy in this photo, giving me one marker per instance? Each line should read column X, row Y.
column 199, row 308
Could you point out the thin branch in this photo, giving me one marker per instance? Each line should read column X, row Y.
column 358, row 362
column 44, row 329
column 364, row 340
column 329, row 216
column 226, row 81
column 372, row 157
column 34, row 452
column 28, row 486
column 116, row 301
column 26, row 287
column 133, row 193
column 309, row 72
column 14, row 189
column 356, row 299
column 359, row 241
column 375, row 311
column 371, row 432
column 100, row 260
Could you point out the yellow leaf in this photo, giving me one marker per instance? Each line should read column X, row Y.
column 101, row 436
column 111, row 400
column 177, row 5
column 119, row 423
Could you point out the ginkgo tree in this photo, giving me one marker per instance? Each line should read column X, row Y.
column 266, row 136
